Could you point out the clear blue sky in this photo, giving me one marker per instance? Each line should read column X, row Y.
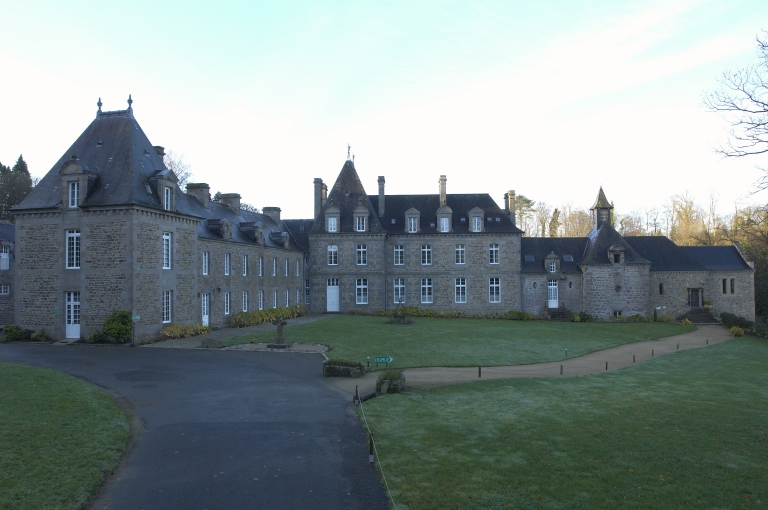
column 550, row 99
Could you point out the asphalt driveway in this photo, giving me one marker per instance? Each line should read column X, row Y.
column 225, row 429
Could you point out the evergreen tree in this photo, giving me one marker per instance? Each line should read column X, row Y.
column 15, row 185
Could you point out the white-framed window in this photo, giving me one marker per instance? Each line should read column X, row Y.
column 298, row 296
column 5, row 258
column 298, row 267
column 73, row 249
column 332, row 225
column 167, row 198
column 361, row 291
column 167, row 304
column 261, row 300
column 460, row 254
column 227, row 299
column 426, row 290
column 206, row 262
column 245, row 265
column 362, row 254
column 494, row 290
column 274, row 266
column 493, row 254
column 333, row 255
column 227, row 264
column 245, row 301
column 413, row 225
column 5, row 289
column 286, row 267
column 552, row 266
column 426, row 255
column 460, row 290
column 306, row 292
column 306, row 260
column 274, row 299
column 261, row 266
column 74, row 193
column 445, row 225
column 399, row 255
column 399, row 288
column 477, row 224
column 360, row 223
column 287, row 299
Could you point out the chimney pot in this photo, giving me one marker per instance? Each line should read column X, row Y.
column 381, row 195
column 272, row 212
column 232, row 200
column 201, row 191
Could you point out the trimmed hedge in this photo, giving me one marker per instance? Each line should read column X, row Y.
column 342, row 367
column 415, row 311
column 13, row 333
column 730, row 320
column 184, row 331
column 256, row 317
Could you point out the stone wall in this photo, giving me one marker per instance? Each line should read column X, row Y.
column 534, row 291
column 616, row 287
column 674, row 299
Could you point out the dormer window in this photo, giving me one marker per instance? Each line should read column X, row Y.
column 412, row 220
column 477, row 224
column 444, row 216
column 476, row 220
column 168, row 198
column 361, row 217
column 552, row 266
column 445, row 225
column 616, row 254
column 332, row 219
column 74, row 193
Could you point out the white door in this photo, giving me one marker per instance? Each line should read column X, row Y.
column 332, row 295
column 206, row 309
column 552, row 294
column 72, row 315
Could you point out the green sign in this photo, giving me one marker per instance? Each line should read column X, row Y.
column 136, row 317
column 382, row 359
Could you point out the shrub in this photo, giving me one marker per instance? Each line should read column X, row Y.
column 760, row 330
column 256, row 317
column 14, row 333
column 655, row 315
column 686, row 322
column 342, row 367
column 118, row 327
column 668, row 317
column 395, row 378
column 730, row 319
column 175, row 331
column 618, row 318
column 97, row 337
column 40, row 336
column 636, row 318
column 575, row 317
column 585, row 317
column 736, row 331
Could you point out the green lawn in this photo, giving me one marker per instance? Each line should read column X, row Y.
column 466, row 342
column 687, row 430
column 59, row 439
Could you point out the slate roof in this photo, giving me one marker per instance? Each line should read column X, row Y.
column 299, row 230
column 539, row 247
column 395, row 207
column 600, row 241
column 116, row 149
column 7, row 232
column 717, row 258
column 664, row 254
column 601, row 202
column 347, row 193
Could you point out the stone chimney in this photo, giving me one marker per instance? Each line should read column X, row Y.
column 319, row 198
column 160, row 150
column 381, row 195
column 200, row 191
column 272, row 212
column 509, row 204
column 232, row 200
column 442, row 190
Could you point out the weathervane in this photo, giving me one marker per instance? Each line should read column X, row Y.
column 99, row 104
column 130, row 101
column 349, row 147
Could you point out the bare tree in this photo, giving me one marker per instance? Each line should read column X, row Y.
column 575, row 222
column 743, row 100
column 542, row 213
column 176, row 163
column 631, row 225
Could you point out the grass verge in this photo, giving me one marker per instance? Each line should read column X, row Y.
column 686, row 430
column 466, row 342
column 59, row 439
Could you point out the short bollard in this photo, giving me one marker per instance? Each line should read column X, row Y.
column 651, row 353
column 678, row 345
column 606, row 365
column 707, row 341
column 479, row 372
column 356, row 398
column 370, row 450
column 561, row 369
column 633, row 358
column 566, row 353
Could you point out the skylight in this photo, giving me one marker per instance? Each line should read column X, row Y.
column 568, row 258
column 528, row 258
